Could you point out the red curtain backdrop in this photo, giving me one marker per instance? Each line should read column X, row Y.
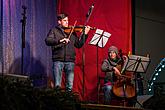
column 113, row 16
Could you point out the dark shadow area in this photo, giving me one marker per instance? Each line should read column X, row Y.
column 32, row 67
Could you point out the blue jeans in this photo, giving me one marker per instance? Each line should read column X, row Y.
column 107, row 93
column 66, row 67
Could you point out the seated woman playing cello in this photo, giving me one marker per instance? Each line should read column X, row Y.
column 115, row 80
column 109, row 67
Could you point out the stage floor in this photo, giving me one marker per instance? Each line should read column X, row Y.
column 107, row 107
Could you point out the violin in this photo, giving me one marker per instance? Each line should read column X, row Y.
column 76, row 28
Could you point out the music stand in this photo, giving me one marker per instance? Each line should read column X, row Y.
column 137, row 64
column 99, row 39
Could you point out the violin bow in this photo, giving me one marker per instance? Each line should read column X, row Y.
column 71, row 31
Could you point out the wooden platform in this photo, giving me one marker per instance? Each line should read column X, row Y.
column 106, row 107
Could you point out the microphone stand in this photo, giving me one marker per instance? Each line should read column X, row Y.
column 83, row 50
column 23, row 21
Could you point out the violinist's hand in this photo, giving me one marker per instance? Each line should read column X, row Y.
column 65, row 40
column 116, row 71
column 87, row 29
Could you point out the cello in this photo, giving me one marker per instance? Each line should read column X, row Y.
column 123, row 86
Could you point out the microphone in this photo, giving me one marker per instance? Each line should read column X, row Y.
column 90, row 10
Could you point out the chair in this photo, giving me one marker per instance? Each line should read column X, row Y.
column 100, row 93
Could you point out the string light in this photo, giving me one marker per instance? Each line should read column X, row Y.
column 155, row 75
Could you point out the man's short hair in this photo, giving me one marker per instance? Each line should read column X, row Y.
column 62, row 16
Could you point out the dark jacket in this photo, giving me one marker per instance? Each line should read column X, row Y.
column 62, row 52
column 107, row 67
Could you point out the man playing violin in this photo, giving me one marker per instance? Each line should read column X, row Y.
column 63, row 50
